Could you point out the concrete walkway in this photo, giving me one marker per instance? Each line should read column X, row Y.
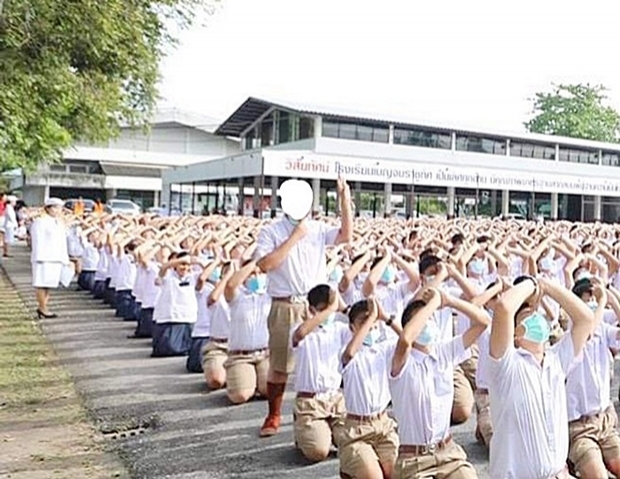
column 181, row 430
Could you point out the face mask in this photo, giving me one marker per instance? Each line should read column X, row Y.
column 292, row 221
column 583, row 275
column 336, row 275
column 593, row 305
column 536, row 329
column 546, row 263
column 329, row 321
column 429, row 335
column 215, row 275
column 430, row 278
column 372, row 337
column 388, row 274
column 257, row 284
column 477, row 266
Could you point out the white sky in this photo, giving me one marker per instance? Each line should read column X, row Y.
column 468, row 63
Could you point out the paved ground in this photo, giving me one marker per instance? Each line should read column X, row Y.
column 192, row 433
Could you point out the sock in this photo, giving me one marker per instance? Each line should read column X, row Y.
column 275, row 395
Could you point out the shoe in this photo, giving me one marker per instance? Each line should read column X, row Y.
column 41, row 314
column 270, row 426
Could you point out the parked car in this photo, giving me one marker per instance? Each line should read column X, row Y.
column 122, row 207
column 89, row 205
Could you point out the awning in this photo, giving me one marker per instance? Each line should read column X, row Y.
column 116, row 169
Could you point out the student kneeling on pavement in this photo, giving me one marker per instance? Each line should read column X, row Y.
column 369, row 444
column 319, row 405
column 422, row 388
column 247, row 365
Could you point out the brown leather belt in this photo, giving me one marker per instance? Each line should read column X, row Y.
column 219, row 340
column 372, row 417
column 247, row 353
column 305, row 395
column 426, row 449
column 482, row 391
column 290, row 299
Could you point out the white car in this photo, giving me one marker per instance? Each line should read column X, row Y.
column 122, row 207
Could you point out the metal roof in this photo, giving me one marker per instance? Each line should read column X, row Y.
column 114, row 169
column 254, row 108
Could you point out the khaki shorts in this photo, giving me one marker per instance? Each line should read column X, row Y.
column 245, row 371
column 318, row 422
column 463, row 393
column 594, row 437
column 365, row 442
column 445, row 463
column 483, row 416
column 282, row 316
column 469, row 366
column 214, row 355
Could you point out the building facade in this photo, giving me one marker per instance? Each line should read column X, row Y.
column 406, row 167
column 130, row 166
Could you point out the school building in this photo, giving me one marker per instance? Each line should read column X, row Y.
column 403, row 167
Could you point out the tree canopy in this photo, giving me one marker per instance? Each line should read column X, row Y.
column 76, row 70
column 578, row 111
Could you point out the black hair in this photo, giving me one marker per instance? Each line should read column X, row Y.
column 357, row 258
column 180, row 254
column 457, row 238
column 357, row 310
column 131, row 246
column 482, row 239
column 412, row 234
column 426, row 252
column 411, row 308
column 376, row 261
column 319, row 296
column 586, row 247
column 427, row 262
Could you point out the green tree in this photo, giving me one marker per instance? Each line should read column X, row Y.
column 76, row 70
column 577, row 111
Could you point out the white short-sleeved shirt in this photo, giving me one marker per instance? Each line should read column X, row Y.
column 90, row 257
column 423, row 392
column 305, row 266
column 150, row 291
column 126, row 275
column 220, row 319
column 102, row 266
column 393, row 297
column 588, row 381
column 365, row 378
column 317, row 358
column 248, row 321
column 177, row 300
column 202, row 328
column 529, row 412
column 353, row 294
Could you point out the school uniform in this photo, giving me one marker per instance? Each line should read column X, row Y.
column 49, row 251
column 10, row 224
column 90, row 260
column 592, row 417
column 112, row 272
column 174, row 315
column 248, row 342
column 319, row 408
column 125, row 280
column 426, row 445
column 529, row 412
column 215, row 351
column 101, row 275
column 150, row 292
column 369, row 434
column 484, row 425
column 201, row 330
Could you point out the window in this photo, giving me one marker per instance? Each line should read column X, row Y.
column 284, row 127
column 58, row 167
column 266, row 132
column 355, row 131
column 611, row 158
column 424, row 138
column 532, row 150
column 306, row 128
column 573, row 155
column 480, row 145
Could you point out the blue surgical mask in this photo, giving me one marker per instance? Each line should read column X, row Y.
column 257, row 284
column 537, row 328
column 329, row 321
column 388, row 275
column 292, row 221
column 583, row 274
column 593, row 305
column 372, row 337
column 477, row 266
column 215, row 275
column 430, row 278
column 429, row 335
column 336, row 275
column 546, row 264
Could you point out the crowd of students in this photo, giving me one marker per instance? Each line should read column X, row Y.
column 393, row 330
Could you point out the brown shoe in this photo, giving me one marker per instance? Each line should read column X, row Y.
column 270, row 426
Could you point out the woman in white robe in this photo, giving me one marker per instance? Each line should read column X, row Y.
column 10, row 224
column 49, row 253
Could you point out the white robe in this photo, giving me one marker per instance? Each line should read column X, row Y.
column 49, row 251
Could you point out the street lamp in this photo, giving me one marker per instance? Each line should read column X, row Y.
column 477, row 195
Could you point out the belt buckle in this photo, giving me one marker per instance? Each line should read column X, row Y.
column 430, row 448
